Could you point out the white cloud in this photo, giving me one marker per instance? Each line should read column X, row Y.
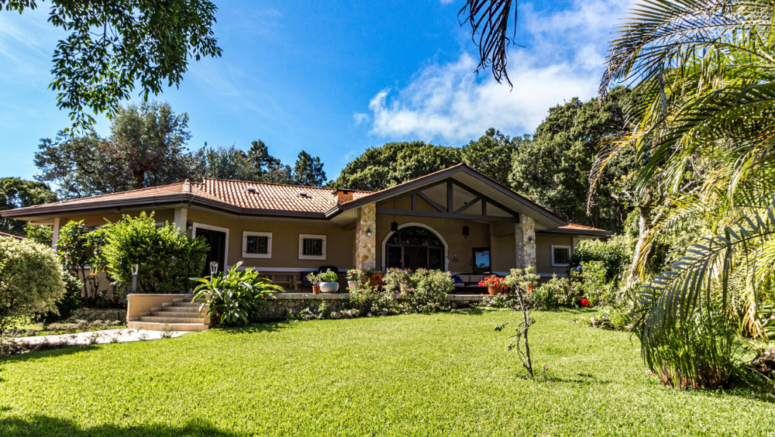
column 562, row 58
column 361, row 117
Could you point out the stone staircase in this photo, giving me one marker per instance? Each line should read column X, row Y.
column 179, row 315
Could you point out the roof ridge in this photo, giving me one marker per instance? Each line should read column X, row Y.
column 277, row 184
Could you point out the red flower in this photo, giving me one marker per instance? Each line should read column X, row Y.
column 584, row 302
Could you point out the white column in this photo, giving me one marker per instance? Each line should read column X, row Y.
column 55, row 235
column 181, row 217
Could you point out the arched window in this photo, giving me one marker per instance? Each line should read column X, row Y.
column 414, row 247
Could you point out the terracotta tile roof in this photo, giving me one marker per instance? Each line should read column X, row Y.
column 278, row 197
column 267, row 196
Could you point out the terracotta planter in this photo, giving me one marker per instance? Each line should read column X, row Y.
column 329, row 287
column 316, row 289
column 530, row 288
column 376, row 280
column 493, row 290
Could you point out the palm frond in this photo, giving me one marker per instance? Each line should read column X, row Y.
column 489, row 21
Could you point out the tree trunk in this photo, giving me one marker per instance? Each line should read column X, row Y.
column 643, row 231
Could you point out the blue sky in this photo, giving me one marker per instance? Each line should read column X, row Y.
column 333, row 78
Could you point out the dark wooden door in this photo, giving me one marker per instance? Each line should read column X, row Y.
column 217, row 252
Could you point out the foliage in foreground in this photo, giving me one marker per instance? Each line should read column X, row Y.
column 234, row 298
column 30, row 279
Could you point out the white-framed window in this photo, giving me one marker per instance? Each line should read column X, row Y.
column 312, row 246
column 256, row 244
column 561, row 256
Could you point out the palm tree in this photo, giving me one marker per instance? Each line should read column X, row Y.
column 705, row 69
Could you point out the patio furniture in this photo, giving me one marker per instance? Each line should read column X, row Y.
column 287, row 280
column 469, row 282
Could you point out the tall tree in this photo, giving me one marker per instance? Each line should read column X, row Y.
column 18, row 193
column 146, row 148
column 308, row 171
column 266, row 167
column 553, row 169
column 115, row 45
column 394, row 163
column 226, row 163
column 492, row 154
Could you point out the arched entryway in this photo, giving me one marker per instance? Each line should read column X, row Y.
column 414, row 246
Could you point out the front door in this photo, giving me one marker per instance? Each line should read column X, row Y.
column 414, row 248
column 217, row 252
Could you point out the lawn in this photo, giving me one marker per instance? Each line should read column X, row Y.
column 440, row 374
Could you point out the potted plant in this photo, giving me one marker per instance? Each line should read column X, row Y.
column 315, row 279
column 494, row 284
column 353, row 276
column 375, row 277
column 329, row 282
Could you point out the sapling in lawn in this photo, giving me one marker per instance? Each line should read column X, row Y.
column 518, row 281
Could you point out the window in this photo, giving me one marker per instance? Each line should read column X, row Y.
column 312, row 246
column 560, row 256
column 256, row 244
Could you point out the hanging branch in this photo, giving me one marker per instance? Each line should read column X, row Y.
column 489, row 20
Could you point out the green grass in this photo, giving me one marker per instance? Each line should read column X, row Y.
column 441, row 374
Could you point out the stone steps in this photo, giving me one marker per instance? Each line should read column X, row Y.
column 179, row 315
column 155, row 326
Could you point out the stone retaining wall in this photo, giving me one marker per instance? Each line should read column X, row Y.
column 92, row 314
column 287, row 302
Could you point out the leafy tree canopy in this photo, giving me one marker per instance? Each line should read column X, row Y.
column 492, row 154
column 115, row 45
column 394, row 163
column 553, row 169
column 18, row 193
column 147, row 147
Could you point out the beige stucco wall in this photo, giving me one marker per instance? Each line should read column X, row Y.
column 163, row 215
column 544, row 245
column 285, row 242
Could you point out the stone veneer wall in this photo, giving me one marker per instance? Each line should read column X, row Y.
column 525, row 236
column 366, row 246
column 278, row 309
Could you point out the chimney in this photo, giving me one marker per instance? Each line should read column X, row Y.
column 343, row 195
column 187, row 186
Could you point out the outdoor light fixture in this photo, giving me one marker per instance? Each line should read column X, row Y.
column 135, row 270
column 368, row 232
column 213, row 268
column 189, row 225
column 466, row 231
column 529, row 239
column 394, row 226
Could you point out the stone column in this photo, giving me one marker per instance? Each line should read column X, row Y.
column 365, row 244
column 525, row 236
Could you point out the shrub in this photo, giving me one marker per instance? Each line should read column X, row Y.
column 71, row 301
column 75, row 252
column 615, row 254
column 553, row 293
column 422, row 291
column 30, row 279
column 167, row 258
column 430, row 291
column 42, row 234
column 374, row 301
column 329, row 276
column 234, row 298
column 589, row 280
